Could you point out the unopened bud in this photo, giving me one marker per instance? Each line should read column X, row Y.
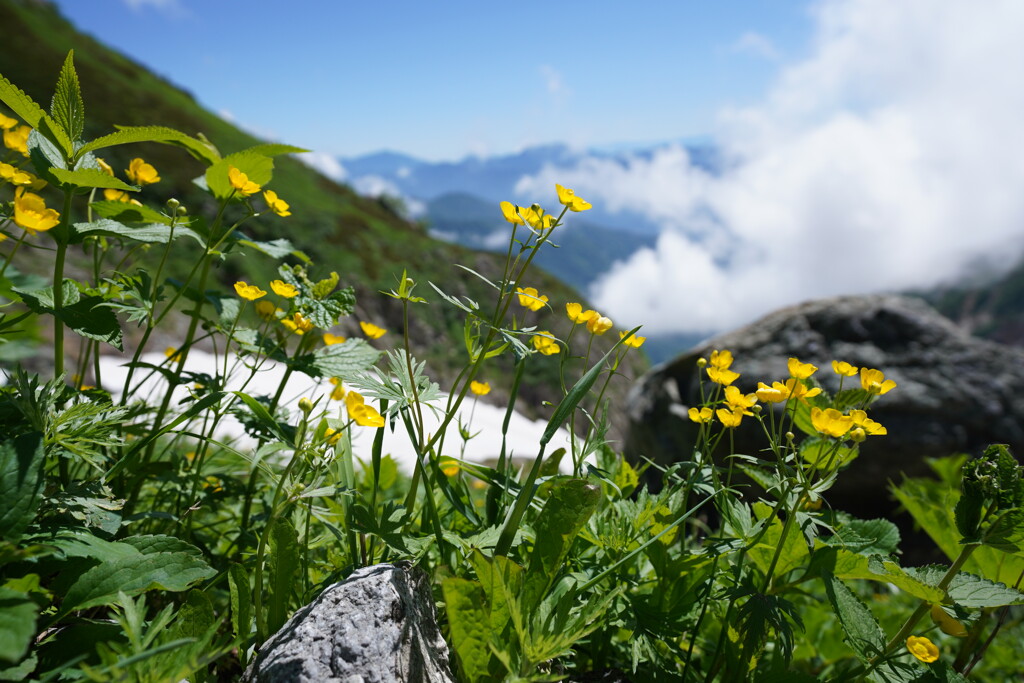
column 858, row 435
column 790, row 436
column 702, row 362
column 173, row 204
column 305, row 405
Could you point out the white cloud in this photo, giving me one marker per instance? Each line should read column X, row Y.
column 753, row 43
column 377, row 186
column 555, row 84
column 170, row 6
column 888, row 159
column 326, row 164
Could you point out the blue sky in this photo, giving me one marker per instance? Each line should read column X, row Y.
column 441, row 80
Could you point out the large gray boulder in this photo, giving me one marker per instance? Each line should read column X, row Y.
column 377, row 626
column 955, row 393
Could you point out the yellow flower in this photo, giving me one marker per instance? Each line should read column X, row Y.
column 798, row 390
column 241, row 182
column 17, row 139
column 568, row 198
column 284, row 289
column 729, row 418
column 6, row 122
column 701, row 416
column 923, row 649
column 831, row 422
column 372, row 331
column 545, row 343
column 173, row 353
column 105, row 167
column 535, row 216
column 722, row 376
column 338, row 392
column 577, row 314
column 30, row 212
column 112, row 195
column 634, row 340
column 297, row 324
column 449, row 465
column 480, row 388
column 598, row 324
column 531, row 299
column 276, row 204
column 141, row 173
column 776, row 393
column 801, row 370
column 721, row 359
column 265, row 309
column 332, row 436
column 15, row 176
column 870, row 427
column 874, row 381
column 841, row 367
column 738, row 401
column 508, row 209
column 248, row 292
column 364, row 415
column 332, row 339
column 948, row 624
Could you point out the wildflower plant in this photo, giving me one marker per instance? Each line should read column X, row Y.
column 139, row 543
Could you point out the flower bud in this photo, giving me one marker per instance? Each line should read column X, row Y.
column 858, row 435
column 173, row 204
column 305, row 405
column 702, row 362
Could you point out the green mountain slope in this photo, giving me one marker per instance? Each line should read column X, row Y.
column 363, row 239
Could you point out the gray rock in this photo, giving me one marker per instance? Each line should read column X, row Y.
column 955, row 393
column 377, row 626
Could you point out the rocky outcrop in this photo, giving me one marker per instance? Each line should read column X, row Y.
column 377, row 626
column 955, row 393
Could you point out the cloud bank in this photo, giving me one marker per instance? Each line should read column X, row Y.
column 889, row 158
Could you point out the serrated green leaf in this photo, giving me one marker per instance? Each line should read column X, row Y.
column 125, row 212
column 90, row 177
column 21, row 483
column 877, row 536
column 339, row 360
column 1006, row 532
column 17, row 624
column 67, row 107
column 863, row 633
column 469, row 624
column 259, row 168
column 90, row 316
column 568, row 507
column 794, row 548
column 20, row 103
column 133, row 575
column 241, row 601
column 889, row 571
column 276, row 249
column 149, row 544
column 969, row 590
column 199, row 149
column 284, row 563
column 275, row 149
column 326, row 286
column 153, row 233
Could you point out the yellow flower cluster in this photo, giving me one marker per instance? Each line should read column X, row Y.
column 18, row 177
column 596, row 323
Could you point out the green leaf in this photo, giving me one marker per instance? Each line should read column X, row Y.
column 284, row 563
column 153, row 233
column 872, row 536
column 20, row 103
column 339, row 360
column 67, row 107
column 92, row 318
column 21, row 483
column 149, row 544
column 263, row 416
column 825, row 453
column 258, row 167
column 17, row 624
column 470, row 628
column 889, row 571
column 125, row 212
column 1006, row 532
column 195, row 617
column 569, row 506
column 133, row 575
column 241, row 602
column 199, row 149
column 90, row 177
column 276, row 249
column 275, row 149
column 325, row 313
column 794, row 548
column 969, row 590
column 863, row 633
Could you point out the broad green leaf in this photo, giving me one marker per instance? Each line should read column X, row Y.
column 21, row 483
column 1006, row 532
column 148, row 544
column 863, row 633
column 276, row 249
column 502, row 581
column 200, row 149
column 284, row 563
column 241, row 601
column 470, row 628
column 90, row 177
column 569, row 505
column 17, row 624
column 125, row 212
column 259, row 168
column 90, row 316
column 794, row 548
column 67, row 107
column 20, row 103
column 824, row 453
column 275, row 149
column 133, row 575
column 195, row 616
column 969, row 590
column 889, row 571
column 873, row 536
column 153, row 233
column 325, row 312
column 339, row 360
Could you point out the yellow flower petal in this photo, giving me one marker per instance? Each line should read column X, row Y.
column 284, row 289
column 480, row 388
column 372, row 331
column 923, row 649
column 248, row 292
column 141, row 173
